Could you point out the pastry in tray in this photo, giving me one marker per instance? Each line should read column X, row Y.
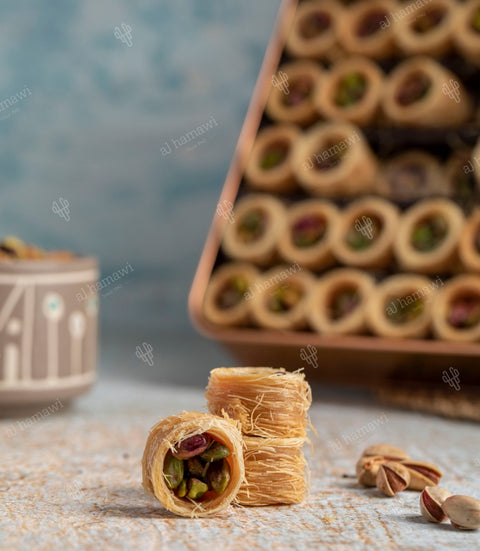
column 427, row 27
column 308, row 232
column 269, row 167
column 13, row 249
column 334, row 159
column 259, row 220
column 365, row 233
column 427, row 238
column 469, row 245
column 366, row 28
column 338, row 302
column 456, row 310
column 460, row 177
column 410, row 176
column 279, row 298
column 400, row 307
column 351, row 91
column 291, row 94
column 422, row 92
column 225, row 301
column 313, row 34
column 466, row 30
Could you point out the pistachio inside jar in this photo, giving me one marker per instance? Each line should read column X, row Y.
column 429, row 233
column 351, row 89
column 404, row 309
column 253, row 225
column 364, row 232
column 274, row 155
column 232, row 293
column 197, row 467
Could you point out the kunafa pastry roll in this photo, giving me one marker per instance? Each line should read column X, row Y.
column 365, row 233
column 469, row 244
column 421, row 92
column 425, row 28
column 312, row 34
column 334, row 160
column 307, row 236
column 411, row 176
column 259, row 221
column 269, row 167
column 291, row 94
column 351, row 91
column 365, row 28
column 193, row 463
column 460, row 177
column 456, row 310
column 224, row 302
column 267, row 402
column 275, row 472
column 427, row 238
column 400, row 307
column 466, row 30
column 338, row 302
column 279, row 297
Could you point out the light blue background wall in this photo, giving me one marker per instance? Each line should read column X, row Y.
column 92, row 129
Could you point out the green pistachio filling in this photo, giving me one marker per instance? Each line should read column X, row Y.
column 402, row 310
column 252, row 225
column 344, row 302
column 330, row 156
column 364, row 232
column 232, row 292
column 414, row 88
column 428, row 20
column 429, row 233
column 351, row 89
column 371, row 23
column 274, row 155
column 475, row 22
column 308, row 230
column 300, row 89
column 314, row 24
column 196, row 466
column 284, row 298
column 464, row 311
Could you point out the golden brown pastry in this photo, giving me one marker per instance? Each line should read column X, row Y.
column 275, row 472
column 279, row 297
column 469, row 244
column 193, row 463
column 269, row 167
column 456, row 310
column 400, row 307
column 410, row 176
column 366, row 28
column 351, row 91
column 338, row 302
column 334, row 160
column 428, row 235
column 312, row 34
column 421, row 92
column 426, row 28
column 308, row 232
column 466, row 30
column 225, row 298
column 291, row 94
column 365, row 233
column 268, row 402
column 259, row 221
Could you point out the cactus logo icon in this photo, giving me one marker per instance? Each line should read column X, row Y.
column 62, row 208
column 124, row 34
column 452, row 90
column 145, row 353
column 309, row 355
column 280, row 81
column 452, row 378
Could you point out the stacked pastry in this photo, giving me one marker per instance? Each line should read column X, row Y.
column 271, row 406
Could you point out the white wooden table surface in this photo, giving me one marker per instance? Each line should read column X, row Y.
column 73, row 480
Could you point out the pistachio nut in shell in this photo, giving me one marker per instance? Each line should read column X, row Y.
column 431, row 501
column 422, row 474
column 463, row 512
column 367, row 469
column 392, row 477
column 391, row 453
